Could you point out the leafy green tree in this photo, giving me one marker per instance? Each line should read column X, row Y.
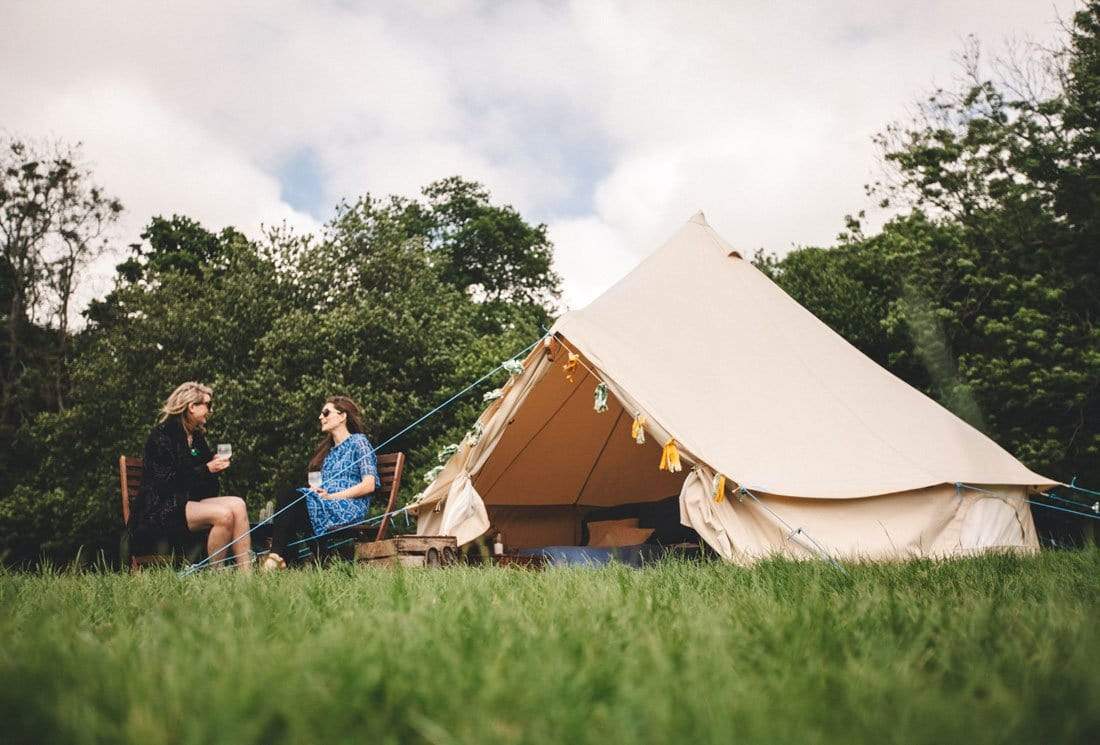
column 486, row 249
column 179, row 245
column 53, row 223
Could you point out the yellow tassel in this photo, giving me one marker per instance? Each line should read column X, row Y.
column 720, row 488
column 637, row 429
column 670, row 458
column 570, row 366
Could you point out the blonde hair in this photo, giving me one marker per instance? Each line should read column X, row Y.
column 186, row 394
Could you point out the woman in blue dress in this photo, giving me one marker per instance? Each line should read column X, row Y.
column 349, row 475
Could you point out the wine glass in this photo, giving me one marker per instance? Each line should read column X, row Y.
column 225, row 450
column 314, row 479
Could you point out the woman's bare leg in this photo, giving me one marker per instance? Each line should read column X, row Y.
column 216, row 517
column 242, row 547
column 227, row 519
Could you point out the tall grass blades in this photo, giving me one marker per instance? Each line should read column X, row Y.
column 986, row 650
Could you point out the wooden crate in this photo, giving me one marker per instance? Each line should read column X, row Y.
column 410, row 551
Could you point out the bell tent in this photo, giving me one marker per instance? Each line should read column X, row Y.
column 793, row 442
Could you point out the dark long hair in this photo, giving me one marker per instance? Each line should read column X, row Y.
column 354, row 424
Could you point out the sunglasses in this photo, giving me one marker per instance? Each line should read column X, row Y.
column 327, row 412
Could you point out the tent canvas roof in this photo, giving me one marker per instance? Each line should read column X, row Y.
column 747, row 381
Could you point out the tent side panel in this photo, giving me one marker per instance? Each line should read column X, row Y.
column 937, row 521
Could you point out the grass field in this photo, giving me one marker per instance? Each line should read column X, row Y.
column 997, row 649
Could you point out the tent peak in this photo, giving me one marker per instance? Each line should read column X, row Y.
column 701, row 220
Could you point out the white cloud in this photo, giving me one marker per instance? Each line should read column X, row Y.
column 612, row 121
column 591, row 254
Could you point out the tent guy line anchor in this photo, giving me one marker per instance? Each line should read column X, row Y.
column 797, row 531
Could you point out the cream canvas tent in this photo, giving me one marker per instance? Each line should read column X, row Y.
column 823, row 451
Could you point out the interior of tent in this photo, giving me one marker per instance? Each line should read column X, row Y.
column 561, row 466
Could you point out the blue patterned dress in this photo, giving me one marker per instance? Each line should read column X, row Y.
column 346, row 465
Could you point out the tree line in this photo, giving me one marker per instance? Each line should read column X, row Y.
column 981, row 291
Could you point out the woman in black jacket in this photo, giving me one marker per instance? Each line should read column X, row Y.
column 179, row 486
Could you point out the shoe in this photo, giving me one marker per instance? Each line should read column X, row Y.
column 273, row 562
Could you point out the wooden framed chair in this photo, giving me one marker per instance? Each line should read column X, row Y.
column 390, row 469
column 129, row 478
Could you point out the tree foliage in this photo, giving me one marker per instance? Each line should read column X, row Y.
column 53, row 223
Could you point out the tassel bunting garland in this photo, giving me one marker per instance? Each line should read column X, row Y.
column 720, row 488
column 513, row 367
column 570, row 367
column 637, row 429
column 445, row 454
column 600, row 403
column 493, row 395
column 670, row 458
column 431, row 475
column 474, row 435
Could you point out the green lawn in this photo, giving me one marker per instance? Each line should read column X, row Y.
column 998, row 649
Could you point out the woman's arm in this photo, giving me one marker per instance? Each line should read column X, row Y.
column 362, row 489
column 368, row 470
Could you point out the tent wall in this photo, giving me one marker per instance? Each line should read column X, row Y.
column 936, row 521
column 531, row 527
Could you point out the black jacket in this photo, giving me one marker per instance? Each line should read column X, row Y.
column 173, row 475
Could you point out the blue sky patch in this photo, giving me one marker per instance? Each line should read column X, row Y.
column 301, row 183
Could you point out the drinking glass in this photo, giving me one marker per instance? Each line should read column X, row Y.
column 314, row 479
column 225, row 450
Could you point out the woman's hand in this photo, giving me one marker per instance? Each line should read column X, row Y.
column 217, row 465
column 320, row 492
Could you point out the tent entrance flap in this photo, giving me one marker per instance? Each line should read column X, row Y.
column 557, row 450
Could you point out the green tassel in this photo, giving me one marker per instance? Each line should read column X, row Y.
column 474, row 435
column 601, row 398
column 431, row 475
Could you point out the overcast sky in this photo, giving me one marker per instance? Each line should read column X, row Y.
column 612, row 122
